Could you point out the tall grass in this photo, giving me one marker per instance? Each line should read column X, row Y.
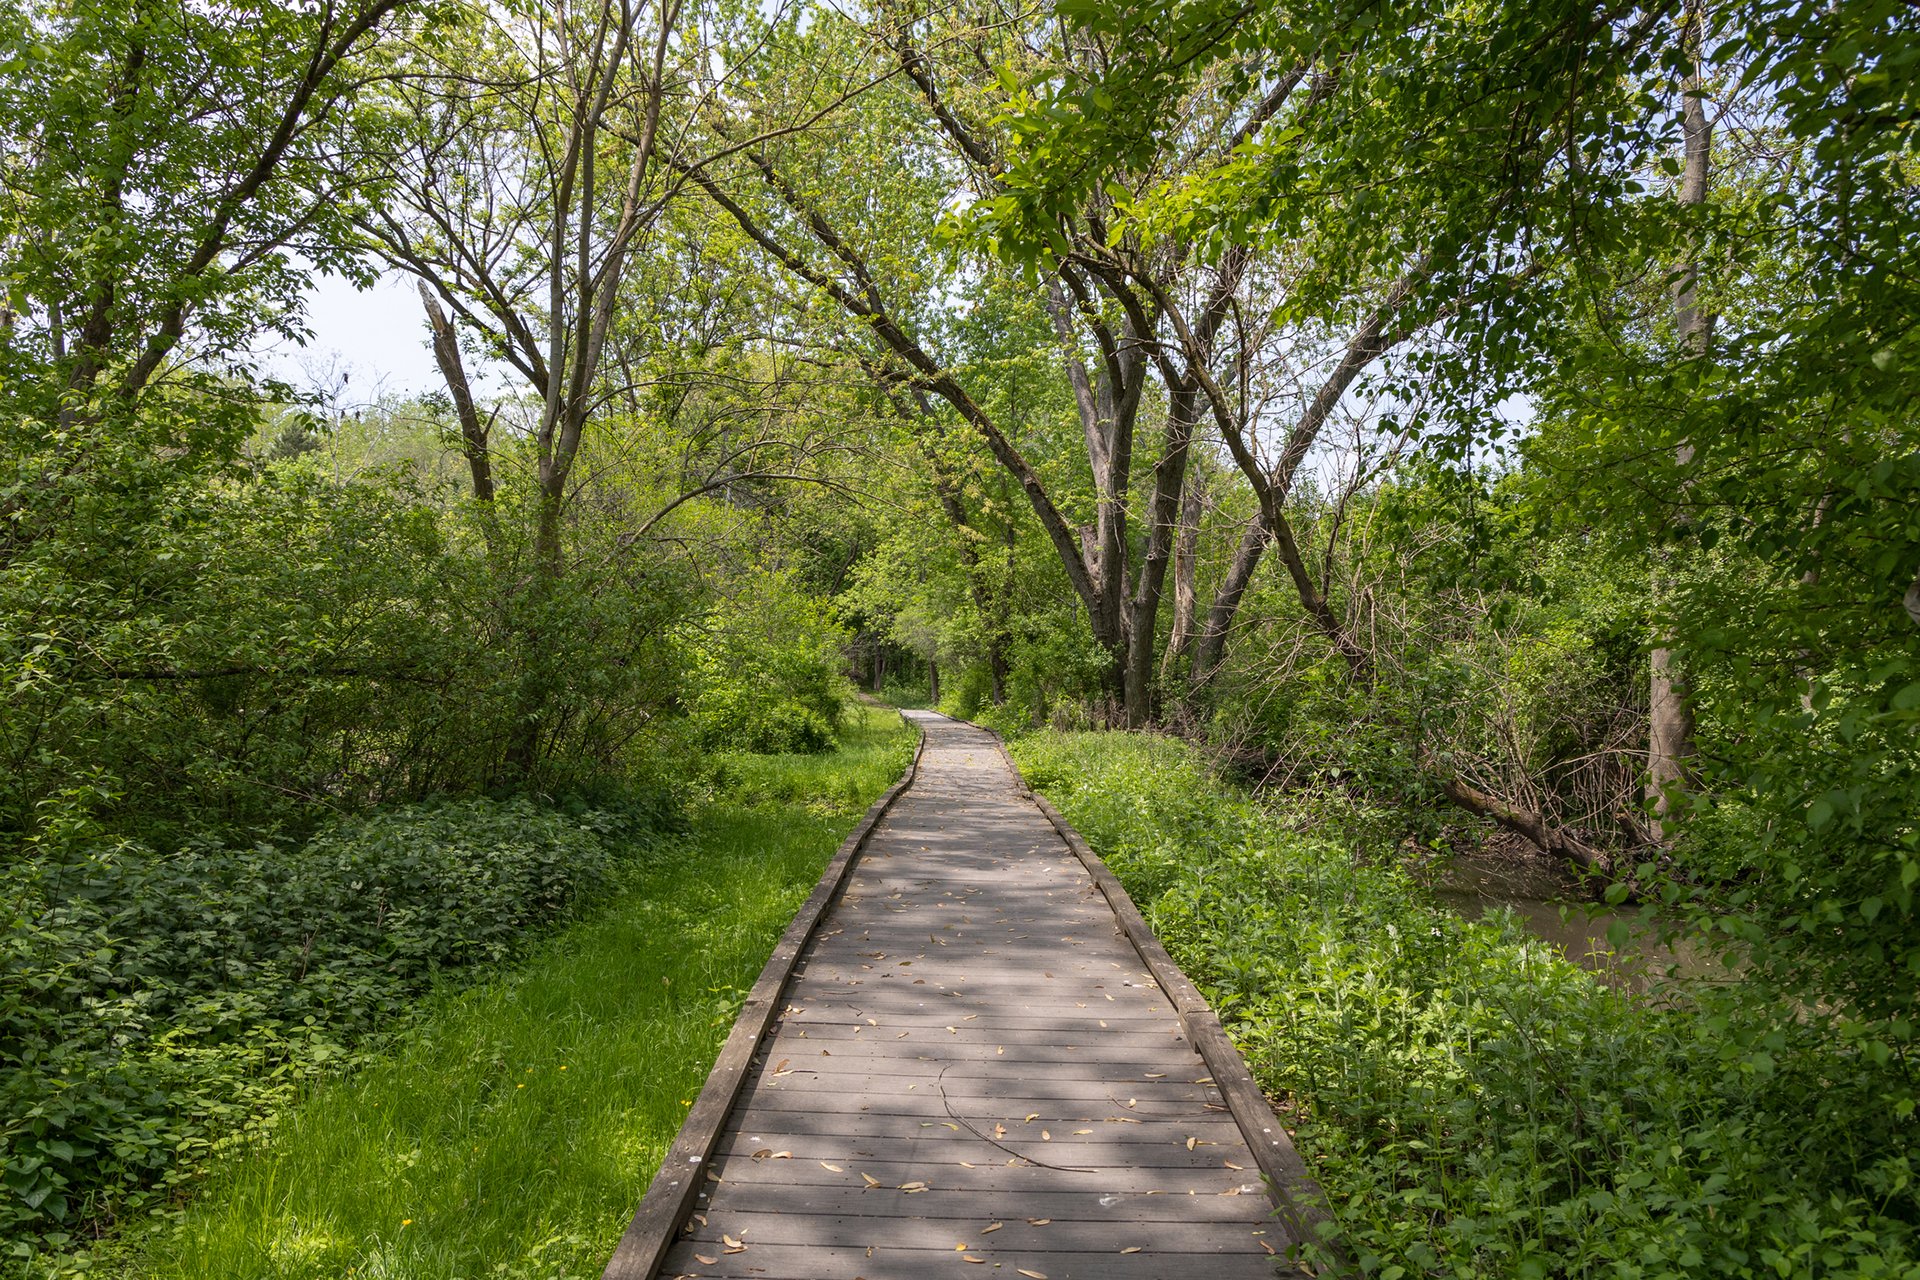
column 510, row 1136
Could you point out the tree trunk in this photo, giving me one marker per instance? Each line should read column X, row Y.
column 933, row 682
column 1669, row 715
column 1186, row 559
column 473, row 435
column 1210, row 642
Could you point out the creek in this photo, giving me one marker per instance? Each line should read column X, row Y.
column 1553, row 906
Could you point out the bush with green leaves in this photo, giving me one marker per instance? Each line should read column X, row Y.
column 1473, row 1103
column 766, row 671
column 158, row 1007
column 240, row 650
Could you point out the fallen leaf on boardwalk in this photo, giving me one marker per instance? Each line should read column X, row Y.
column 1000, row 1050
column 1264, row 1245
column 831, row 1168
column 870, row 1180
column 1078, row 1132
column 1156, row 1075
column 1191, row 1142
column 1031, row 1275
column 705, row 1261
column 1038, row 1222
column 1231, row 1191
column 1131, row 1101
column 730, row 1242
column 1132, row 1248
column 999, row 1131
column 913, row 1186
column 971, row 1257
column 1204, row 1080
column 962, row 1247
column 1231, row 1165
column 1031, row 1117
column 763, row 1153
column 782, row 1068
column 781, row 1155
column 1045, row 1136
column 995, row 1227
column 950, row 1125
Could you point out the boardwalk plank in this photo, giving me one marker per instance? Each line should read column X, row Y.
column 1014, row 1235
column 808, row 1262
column 973, row 1208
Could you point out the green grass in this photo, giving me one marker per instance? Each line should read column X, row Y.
column 512, row 1133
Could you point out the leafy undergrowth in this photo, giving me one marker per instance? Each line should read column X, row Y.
column 1473, row 1104
column 157, row 1009
column 510, row 1131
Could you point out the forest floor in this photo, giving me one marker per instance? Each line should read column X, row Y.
column 510, row 1134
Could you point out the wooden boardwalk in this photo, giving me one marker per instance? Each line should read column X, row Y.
column 972, row 1068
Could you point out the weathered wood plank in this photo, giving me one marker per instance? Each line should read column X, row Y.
column 777, row 1126
column 1081, row 1108
column 984, row 1175
column 812, row 1262
column 981, row 1206
column 1024, row 1234
column 832, row 1034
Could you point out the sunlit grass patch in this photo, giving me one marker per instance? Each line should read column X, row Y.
column 512, row 1133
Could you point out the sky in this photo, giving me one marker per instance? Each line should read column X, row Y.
column 378, row 338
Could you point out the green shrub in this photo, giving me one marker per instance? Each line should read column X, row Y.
column 766, row 671
column 1474, row 1104
column 155, row 1008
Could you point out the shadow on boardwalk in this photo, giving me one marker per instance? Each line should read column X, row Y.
column 972, row 1066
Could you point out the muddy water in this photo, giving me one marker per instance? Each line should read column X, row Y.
column 1556, row 908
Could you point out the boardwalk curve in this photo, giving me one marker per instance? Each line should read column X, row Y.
column 970, row 1064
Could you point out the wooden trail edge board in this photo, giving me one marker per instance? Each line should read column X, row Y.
column 1297, row 1198
column 670, row 1196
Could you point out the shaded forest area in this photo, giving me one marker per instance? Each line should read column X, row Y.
column 1445, row 420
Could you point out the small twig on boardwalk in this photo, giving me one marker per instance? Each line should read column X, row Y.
column 940, row 1083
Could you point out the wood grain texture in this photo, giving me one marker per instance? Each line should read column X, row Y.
column 972, row 1034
